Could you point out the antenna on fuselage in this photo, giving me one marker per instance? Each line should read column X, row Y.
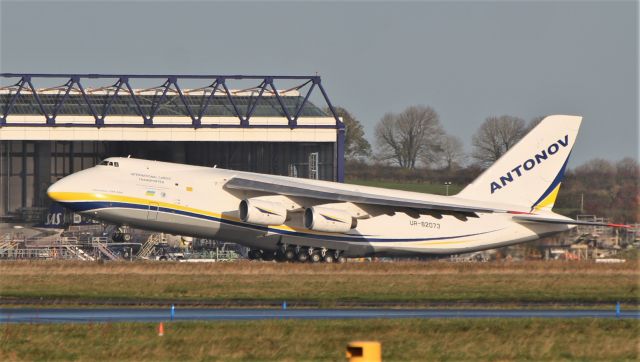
column 129, row 156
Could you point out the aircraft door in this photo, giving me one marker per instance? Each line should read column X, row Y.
column 152, row 214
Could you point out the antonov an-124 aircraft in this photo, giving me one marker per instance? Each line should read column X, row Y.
column 288, row 218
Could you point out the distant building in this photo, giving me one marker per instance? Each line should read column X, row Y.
column 48, row 131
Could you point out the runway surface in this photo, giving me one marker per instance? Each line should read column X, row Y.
column 192, row 314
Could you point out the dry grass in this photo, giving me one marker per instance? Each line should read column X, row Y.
column 262, row 268
column 295, row 340
column 405, row 282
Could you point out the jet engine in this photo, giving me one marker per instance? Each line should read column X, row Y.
column 320, row 218
column 261, row 212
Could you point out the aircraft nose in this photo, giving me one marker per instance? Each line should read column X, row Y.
column 63, row 187
column 56, row 190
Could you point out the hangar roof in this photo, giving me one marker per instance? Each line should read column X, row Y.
column 115, row 108
column 170, row 105
column 116, row 111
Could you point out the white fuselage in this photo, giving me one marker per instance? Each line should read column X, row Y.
column 192, row 201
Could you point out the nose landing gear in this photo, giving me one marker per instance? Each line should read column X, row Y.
column 122, row 234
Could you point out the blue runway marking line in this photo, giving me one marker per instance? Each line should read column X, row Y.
column 23, row 315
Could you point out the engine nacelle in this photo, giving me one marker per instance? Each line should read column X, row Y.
column 320, row 218
column 261, row 212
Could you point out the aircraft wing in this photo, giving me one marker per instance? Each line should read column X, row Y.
column 283, row 186
column 548, row 220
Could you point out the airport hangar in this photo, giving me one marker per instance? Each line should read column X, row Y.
column 52, row 125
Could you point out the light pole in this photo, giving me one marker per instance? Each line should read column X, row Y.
column 446, row 185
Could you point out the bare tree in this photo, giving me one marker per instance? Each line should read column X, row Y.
column 451, row 152
column 412, row 135
column 495, row 136
column 355, row 145
column 534, row 122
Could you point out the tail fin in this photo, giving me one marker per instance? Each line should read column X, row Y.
column 529, row 174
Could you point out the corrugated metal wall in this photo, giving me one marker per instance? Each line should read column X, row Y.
column 27, row 168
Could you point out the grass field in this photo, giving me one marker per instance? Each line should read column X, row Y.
column 430, row 188
column 294, row 340
column 412, row 283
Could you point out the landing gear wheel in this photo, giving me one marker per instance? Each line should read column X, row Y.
column 328, row 258
column 289, row 254
column 315, row 257
column 268, row 256
column 280, row 256
column 254, row 254
column 303, row 255
column 341, row 259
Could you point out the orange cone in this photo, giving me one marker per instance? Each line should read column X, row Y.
column 161, row 330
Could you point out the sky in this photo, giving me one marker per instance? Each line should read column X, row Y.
column 466, row 59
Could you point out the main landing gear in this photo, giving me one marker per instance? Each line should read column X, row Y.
column 300, row 254
column 255, row 254
column 122, row 234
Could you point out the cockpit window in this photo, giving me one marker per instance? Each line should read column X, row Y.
column 109, row 163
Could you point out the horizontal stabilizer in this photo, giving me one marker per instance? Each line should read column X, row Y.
column 546, row 220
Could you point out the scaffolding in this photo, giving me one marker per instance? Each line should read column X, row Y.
column 148, row 247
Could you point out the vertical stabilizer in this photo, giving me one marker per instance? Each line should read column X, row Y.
column 529, row 174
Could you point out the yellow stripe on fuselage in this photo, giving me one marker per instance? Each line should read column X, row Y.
column 85, row 196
